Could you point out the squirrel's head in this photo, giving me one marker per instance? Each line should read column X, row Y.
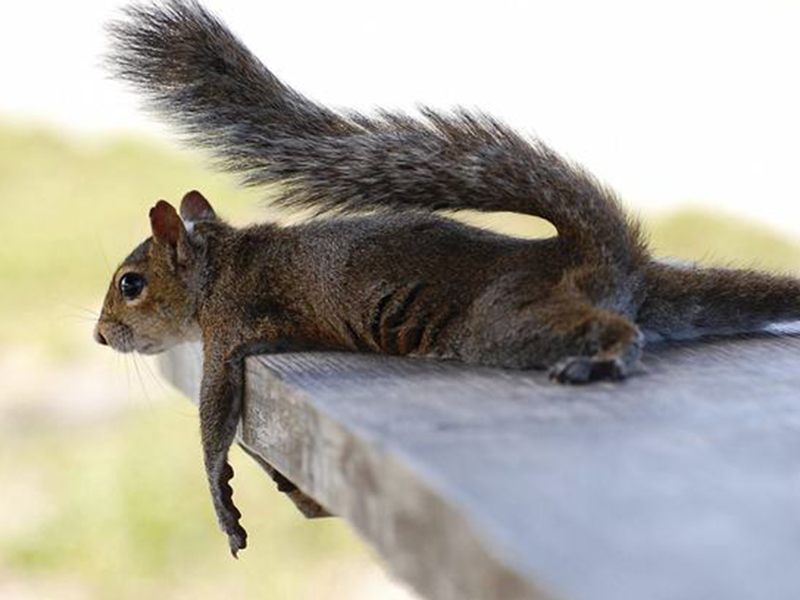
column 151, row 303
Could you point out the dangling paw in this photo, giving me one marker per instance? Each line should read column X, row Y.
column 227, row 513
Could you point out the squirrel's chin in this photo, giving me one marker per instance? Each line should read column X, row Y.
column 151, row 348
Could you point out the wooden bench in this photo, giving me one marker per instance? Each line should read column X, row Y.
column 682, row 483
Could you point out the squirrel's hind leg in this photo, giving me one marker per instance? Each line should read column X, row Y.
column 595, row 344
column 576, row 341
column 615, row 348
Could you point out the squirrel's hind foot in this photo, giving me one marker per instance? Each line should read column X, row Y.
column 585, row 369
column 621, row 344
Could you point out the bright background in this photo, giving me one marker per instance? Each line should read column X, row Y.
column 688, row 109
column 671, row 102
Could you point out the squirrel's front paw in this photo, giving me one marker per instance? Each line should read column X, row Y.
column 237, row 539
column 583, row 369
column 227, row 513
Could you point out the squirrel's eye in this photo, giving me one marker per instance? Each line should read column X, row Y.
column 131, row 285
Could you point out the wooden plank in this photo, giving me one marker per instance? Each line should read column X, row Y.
column 682, row 483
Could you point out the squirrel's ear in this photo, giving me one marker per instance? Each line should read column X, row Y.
column 166, row 224
column 170, row 234
column 194, row 207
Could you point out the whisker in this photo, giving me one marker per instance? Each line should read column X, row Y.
column 148, row 368
column 84, row 318
column 100, row 245
column 128, row 377
column 83, row 309
column 141, row 381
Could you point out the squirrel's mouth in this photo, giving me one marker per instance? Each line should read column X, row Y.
column 115, row 335
column 122, row 338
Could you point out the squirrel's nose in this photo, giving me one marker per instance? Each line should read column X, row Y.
column 99, row 337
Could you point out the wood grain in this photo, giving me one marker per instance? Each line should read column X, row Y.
column 682, row 483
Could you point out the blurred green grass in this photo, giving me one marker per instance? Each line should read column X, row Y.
column 122, row 509
column 722, row 239
column 117, row 507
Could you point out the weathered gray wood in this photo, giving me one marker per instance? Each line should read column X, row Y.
column 184, row 368
column 682, row 483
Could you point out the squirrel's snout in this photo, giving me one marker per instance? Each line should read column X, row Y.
column 99, row 337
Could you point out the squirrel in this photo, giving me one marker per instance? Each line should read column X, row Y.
column 384, row 273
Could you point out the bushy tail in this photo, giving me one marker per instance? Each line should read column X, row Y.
column 194, row 71
column 681, row 302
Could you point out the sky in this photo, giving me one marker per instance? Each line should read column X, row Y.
column 670, row 103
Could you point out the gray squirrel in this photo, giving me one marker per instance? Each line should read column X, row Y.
column 383, row 273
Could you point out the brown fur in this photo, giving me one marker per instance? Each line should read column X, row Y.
column 415, row 285
column 399, row 279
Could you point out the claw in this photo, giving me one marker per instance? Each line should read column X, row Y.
column 583, row 369
column 237, row 541
column 227, row 513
